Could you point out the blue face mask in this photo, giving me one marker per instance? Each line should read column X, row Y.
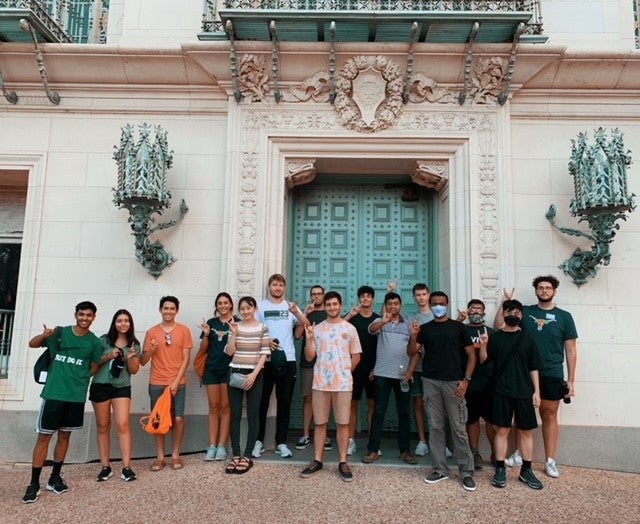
column 439, row 311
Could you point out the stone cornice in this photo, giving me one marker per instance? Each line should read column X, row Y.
column 539, row 67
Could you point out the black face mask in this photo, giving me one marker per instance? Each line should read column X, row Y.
column 511, row 320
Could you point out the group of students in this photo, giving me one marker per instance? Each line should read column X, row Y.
column 342, row 357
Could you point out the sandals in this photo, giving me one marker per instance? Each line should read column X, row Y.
column 243, row 465
column 177, row 463
column 231, row 466
column 158, row 465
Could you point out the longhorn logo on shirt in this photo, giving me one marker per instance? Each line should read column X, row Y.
column 542, row 322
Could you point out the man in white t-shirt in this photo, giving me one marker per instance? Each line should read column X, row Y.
column 280, row 316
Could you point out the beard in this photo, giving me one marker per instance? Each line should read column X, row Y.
column 545, row 300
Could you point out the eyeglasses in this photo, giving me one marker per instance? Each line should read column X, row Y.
column 167, row 339
column 545, row 288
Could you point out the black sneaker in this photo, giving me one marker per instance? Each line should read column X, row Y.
column 345, row 472
column 33, row 490
column 435, row 477
column 313, row 467
column 477, row 461
column 468, row 483
column 529, row 478
column 57, row 485
column 303, row 442
column 105, row 474
column 328, row 446
column 128, row 475
column 499, row 479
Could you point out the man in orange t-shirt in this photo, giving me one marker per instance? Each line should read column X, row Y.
column 168, row 346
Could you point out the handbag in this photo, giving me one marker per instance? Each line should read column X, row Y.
column 159, row 422
column 198, row 363
column 237, row 380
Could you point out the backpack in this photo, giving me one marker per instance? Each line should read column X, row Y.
column 43, row 364
column 159, row 421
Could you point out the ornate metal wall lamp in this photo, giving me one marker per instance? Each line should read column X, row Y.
column 601, row 198
column 142, row 189
column 53, row 97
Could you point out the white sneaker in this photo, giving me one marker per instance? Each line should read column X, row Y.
column 283, row 451
column 421, row 449
column 351, row 448
column 258, row 449
column 211, row 453
column 551, row 468
column 514, row 460
column 448, row 453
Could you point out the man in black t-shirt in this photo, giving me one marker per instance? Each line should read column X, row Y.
column 449, row 360
column 361, row 316
column 516, row 392
column 315, row 313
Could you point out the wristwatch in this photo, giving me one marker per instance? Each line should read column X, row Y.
column 467, row 378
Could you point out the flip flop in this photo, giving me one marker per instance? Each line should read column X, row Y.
column 177, row 464
column 158, row 465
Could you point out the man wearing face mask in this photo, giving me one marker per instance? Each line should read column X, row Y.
column 517, row 392
column 479, row 396
column 448, row 363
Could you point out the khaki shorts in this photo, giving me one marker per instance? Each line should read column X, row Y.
column 323, row 401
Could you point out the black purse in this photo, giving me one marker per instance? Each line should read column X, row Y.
column 43, row 364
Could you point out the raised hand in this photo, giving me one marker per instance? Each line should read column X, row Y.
column 355, row 310
column 233, row 326
column 132, row 351
column 463, row 314
column 46, row 331
column 309, row 331
column 509, row 295
column 483, row 336
column 206, row 328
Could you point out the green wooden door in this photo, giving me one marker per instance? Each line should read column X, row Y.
column 344, row 236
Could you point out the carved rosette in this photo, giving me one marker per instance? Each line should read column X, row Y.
column 369, row 93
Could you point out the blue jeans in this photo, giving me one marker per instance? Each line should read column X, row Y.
column 383, row 387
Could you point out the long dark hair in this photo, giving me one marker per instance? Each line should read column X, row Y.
column 215, row 302
column 112, row 334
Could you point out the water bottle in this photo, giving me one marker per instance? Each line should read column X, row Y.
column 404, row 383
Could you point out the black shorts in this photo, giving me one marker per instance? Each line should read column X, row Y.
column 505, row 409
column 104, row 392
column 361, row 381
column 58, row 415
column 551, row 388
column 479, row 404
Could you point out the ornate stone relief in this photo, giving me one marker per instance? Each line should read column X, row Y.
column 433, row 175
column 487, row 80
column 425, row 88
column 300, row 171
column 253, row 78
column 258, row 123
column 315, row 87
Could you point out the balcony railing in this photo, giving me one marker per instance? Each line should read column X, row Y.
column 6, row 331
column 68, row 21
column 211, row 19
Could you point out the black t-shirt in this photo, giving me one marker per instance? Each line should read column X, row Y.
column 444, row 355
column 515, row 380
column 368, row 342
column 483, row 372
column 315, row 317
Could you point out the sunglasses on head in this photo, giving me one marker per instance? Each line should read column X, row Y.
column 167, row 339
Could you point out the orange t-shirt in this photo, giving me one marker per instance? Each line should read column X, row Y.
column 167, row 359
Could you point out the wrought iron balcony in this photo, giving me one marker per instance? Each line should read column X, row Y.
column 439, row 21
column 67, row 21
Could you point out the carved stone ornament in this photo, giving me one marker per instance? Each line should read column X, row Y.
column 253, row 78
column 369, row 93
column 300, row 171
column 433, row 175
column 424, row 88
column 315, row 87
column 487, row 80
